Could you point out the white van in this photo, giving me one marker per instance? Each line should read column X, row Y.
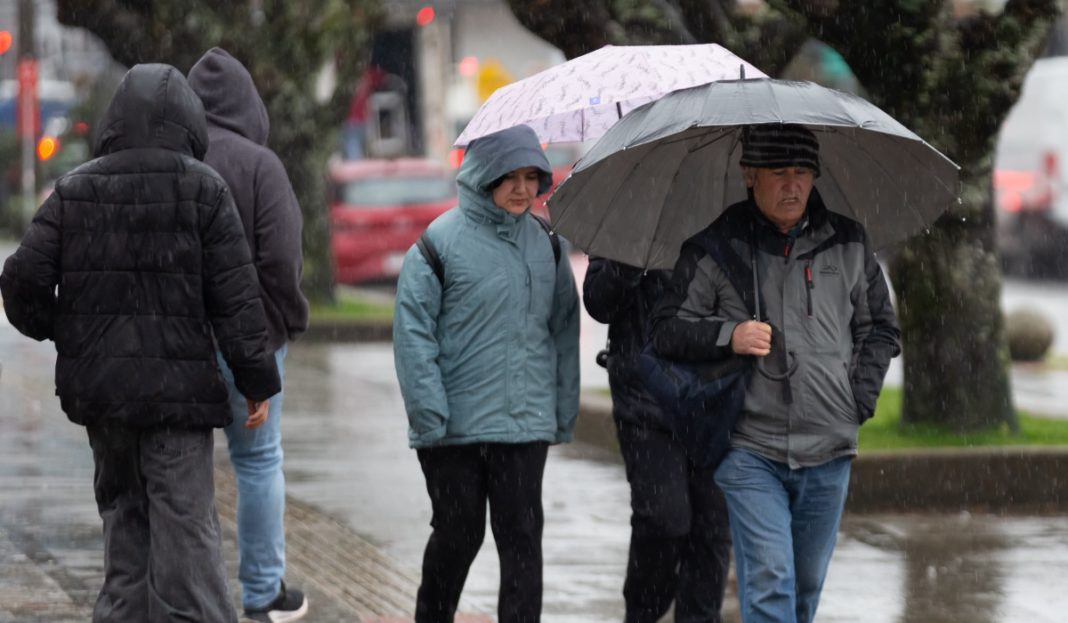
column 1031, row 175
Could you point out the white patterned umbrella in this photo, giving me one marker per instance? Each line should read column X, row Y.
column 580, row 99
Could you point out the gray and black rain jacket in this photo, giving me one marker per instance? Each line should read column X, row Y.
column 834, row 330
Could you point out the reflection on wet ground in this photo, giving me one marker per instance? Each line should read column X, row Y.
column 949, row 569
column 350, row 457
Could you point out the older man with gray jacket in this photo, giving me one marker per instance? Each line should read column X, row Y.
column 822, row 353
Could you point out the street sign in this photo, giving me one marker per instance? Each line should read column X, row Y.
column 492, row 76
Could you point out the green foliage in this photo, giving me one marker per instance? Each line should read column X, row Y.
column 638, row 14
column 886, row 432
column 351, row 307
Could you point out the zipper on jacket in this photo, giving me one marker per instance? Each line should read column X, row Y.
column 809, row 285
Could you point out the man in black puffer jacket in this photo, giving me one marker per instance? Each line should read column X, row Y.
column 150, row 261
column 680, row 539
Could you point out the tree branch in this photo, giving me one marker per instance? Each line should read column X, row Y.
column 119, row 23
column 675, row 23
column 574, row 27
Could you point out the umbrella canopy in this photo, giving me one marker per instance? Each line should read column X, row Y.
column 580, row 99
column 668, row 169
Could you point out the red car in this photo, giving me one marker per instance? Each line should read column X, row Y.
column 378, row 210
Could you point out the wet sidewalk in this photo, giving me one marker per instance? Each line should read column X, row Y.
column 358, row 518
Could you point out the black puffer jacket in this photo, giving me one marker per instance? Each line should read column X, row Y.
column 623, row 297
column 149, row 257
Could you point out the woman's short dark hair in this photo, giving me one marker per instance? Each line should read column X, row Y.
column 545, row 181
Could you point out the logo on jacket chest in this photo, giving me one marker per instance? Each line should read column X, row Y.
column 828, row 269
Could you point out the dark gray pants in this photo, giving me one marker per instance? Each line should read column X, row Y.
column 155, row 491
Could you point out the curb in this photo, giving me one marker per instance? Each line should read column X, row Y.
column 1006, row 480
column 348, row 331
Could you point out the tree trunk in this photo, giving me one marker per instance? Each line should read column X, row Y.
column 948, row 288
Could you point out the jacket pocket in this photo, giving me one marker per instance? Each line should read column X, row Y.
column 831, row 393
column 542, row 281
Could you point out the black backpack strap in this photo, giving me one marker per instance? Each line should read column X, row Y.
column 553, row 238
column 430, row 254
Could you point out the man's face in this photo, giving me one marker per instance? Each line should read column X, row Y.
column 781, row 194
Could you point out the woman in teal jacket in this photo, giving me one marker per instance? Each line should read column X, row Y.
column 487, row 360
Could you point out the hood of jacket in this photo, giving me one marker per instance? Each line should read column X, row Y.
column 153, row 106
column 491, row 157
column 230, row 97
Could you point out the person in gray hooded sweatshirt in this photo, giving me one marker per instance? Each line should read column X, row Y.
column 237, row 134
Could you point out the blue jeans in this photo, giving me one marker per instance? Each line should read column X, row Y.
column 261, row 493
column 784, row 523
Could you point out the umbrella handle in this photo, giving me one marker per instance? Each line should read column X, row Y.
column 790, row 369
column 756, row 279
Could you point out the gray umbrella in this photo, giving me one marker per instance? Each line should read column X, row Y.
column 668, row 168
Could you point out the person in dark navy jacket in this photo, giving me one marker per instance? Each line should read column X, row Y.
column 680, row 538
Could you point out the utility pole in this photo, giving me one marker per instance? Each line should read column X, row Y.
column 28, row 109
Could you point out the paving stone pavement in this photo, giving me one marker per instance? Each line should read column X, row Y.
column 51, row 559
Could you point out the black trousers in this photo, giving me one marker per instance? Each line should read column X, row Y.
column 680, row 536
column 155, row 491
column 460, row 480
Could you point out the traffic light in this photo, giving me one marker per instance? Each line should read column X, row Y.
column 424, row 16
column 5, row 41
column 47, row 147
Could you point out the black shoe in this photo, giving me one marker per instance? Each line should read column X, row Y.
column 290, row 605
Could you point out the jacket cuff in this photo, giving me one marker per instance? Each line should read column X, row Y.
column 726, row 331
column 427, row 438
column 864, row 411
column 258, row 382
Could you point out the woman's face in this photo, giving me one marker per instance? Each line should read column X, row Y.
column 517, row 192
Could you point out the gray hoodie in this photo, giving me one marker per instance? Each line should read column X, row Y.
column 237, row 135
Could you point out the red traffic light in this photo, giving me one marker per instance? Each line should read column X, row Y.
column 5, row 41
column 424, row 16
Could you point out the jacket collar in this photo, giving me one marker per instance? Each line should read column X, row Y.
column 744, row 221
column 479, row 207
